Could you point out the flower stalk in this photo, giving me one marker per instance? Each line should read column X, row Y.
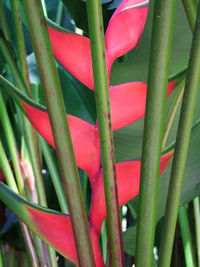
column 163, row 21
column 56, row 109
column 105, row 131
column 186, row 236
column 181, row 148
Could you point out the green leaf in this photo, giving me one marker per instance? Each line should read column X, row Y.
column 129, row 238
column 78, row 11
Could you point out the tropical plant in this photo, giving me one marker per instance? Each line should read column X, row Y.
column 65, row 211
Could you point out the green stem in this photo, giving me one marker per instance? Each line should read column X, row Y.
column 172, row 112
column 11, row 183
column 44, row 8
column 197, row 225
column 55, row 177
column 7, row 170
column 95, row 23
column 60, row 128
column 3, row 22
column 186, row 237
column 11, row 144
column 190, row 7
column 22, row 82
column 59, row 13
column 181, row 148
column 163, row 21
column 104, row 242
column 29, row 244
column 21, row 50
column 29, row 131
column 1, row 256
column 85, row 190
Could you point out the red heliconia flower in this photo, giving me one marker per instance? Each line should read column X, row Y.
column 85, row 137
column 127, row 105
column 56, row 229
column 128, row 100
column 128, row 181
column 123, row 33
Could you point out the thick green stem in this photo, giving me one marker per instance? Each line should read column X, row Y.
column 186, row 237
column 197, row 225
column 11, row 144
column 105, row 131
column 162, row 32
column 60, row 128
column 190, row 7
column 181, row 148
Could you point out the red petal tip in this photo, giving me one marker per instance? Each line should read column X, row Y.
column 73, row 52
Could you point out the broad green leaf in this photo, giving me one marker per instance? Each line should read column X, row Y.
column 78, row 11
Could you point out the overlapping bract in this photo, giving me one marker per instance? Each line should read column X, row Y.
column 127, row 105
column 122, row 35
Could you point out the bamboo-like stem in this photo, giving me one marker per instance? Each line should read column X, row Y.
column 55, row 177
column 60, row 128
column 197, row 225
column 96, row 31
column 190, row 7
column 186, row 237
column 181, row 148
column 163, row 21
column 5, row 121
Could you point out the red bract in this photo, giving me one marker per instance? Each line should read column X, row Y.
column 128, row 181
column 56, row 229
column 85, row 137
column 127, row 105
column 122, row 35
column 128, row 102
